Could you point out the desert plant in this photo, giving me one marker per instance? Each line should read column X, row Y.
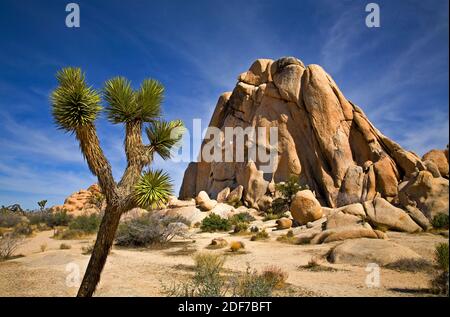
column 64, row 246
column 288, row 238
column 214, row 223
column 242, row 217
column 286, row 190
column 261, row 235
column 42, row 204
column 69, row 234
column 151, row 228
column 440, row 284
column 236, row 246
column 57, row 219
column 240, row 227
column 273, row 216
column 410, row 265
column 23, row 228
column 207, row 280
column 9, row 219
column 86, row 223
column 440, row 221
column 87, row 250
column 75, row 108
column 252, row 284
column 275, row 276
column 43, row 247
column 9, row 242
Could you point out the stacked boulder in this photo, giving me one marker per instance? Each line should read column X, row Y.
column 84, row 201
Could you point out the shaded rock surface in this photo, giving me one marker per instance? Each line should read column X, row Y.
column 365, row 251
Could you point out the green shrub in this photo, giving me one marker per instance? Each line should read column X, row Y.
column 51, row 219
column 151, row 229
column 23, row 228
column 243, row 217
column 261, row 235
column 440, row 221
column 86, row 223
column 207, row 280
column 440, row 284
column 240, row 227
column 214, row 223
column 441, row 256
column 69, row 234
column 9, row 219
column 272, row 216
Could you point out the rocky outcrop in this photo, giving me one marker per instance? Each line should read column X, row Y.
column 381, row 213
column 440, row 159
column 427, row 193
column 85, row 201
column 365, row 251
column 323, row 138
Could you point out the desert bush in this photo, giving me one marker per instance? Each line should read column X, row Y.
column 9, row 219
column 151, row 229
column 440, row 221
column 275, row 275
column 43, row 247
column 273, row 216
column 441, row 256
column 242, row 217
column 207, row 280
column 236, row 246
column 252, row 284
column 23, row 228
column 86, row 223
column 288, row 238
column 214, row 223
column 50, row 219
column 64, row 246
column 69, row 234
column 87, row 250
column 440, row 284
column 287, row 190
column 261, row 235
column 240, row 227
column 9, row 242
column 410, row 265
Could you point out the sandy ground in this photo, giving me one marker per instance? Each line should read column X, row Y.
column 142, row 272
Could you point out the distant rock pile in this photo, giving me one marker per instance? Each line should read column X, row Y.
column 85, row 201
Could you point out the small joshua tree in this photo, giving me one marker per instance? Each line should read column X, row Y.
column 42, row 204
column 75, row 108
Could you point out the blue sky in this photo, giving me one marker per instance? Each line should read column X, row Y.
column 397, row 73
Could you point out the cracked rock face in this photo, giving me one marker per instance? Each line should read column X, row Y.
column 323, row 138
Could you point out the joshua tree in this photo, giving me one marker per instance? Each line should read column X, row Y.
column 42, row 204
column 75, row 108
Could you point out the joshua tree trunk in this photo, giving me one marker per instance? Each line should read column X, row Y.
column 103, row 244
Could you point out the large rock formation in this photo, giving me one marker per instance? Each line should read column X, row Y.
column 84, row 201
column 323, row 138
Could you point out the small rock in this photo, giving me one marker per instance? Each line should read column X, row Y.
column 284, row 223
column 204, row 202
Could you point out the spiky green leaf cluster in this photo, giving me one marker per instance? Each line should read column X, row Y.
column 74, row 104
column 164, row 136
column 126, row 104
column 153, row 189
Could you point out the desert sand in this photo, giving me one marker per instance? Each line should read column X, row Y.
column 143, row 272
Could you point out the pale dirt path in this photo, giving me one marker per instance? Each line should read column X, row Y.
column 132, row 272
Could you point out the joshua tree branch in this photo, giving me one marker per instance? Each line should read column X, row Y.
column 96, row 160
